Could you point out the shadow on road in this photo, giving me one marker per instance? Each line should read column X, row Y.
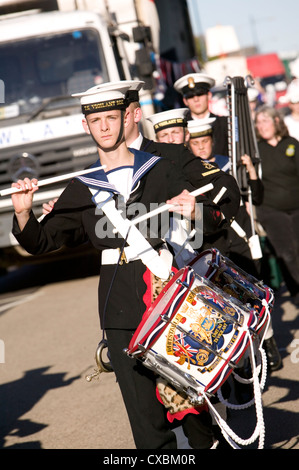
column 20, row 397
column 36, row 275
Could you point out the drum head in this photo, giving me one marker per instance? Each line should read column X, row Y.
column 234, row 281
column 202, row 264
column 167, row 303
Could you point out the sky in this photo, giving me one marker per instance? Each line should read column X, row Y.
column 271, row 25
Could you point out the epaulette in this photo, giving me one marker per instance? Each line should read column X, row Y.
column 208, row 165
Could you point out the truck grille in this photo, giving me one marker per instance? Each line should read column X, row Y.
column 46, row 159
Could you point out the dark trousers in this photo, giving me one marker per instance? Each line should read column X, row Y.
column 198, row 429
column 146, row 414
column 282, row 229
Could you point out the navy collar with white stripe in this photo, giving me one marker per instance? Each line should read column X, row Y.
column 143, row 162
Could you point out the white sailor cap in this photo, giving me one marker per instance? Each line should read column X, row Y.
column 292, row 93
column 194, row 84
column 252, row 94
column 200, row 127
column 171, row 118
column 133, row 93
column 135, row 86
column 104, row 97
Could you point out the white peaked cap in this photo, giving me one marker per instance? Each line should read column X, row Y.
column 293, row 91
column 200, row 127
column 103, row 92
column 171, row 118
column 104, row 97
column 194, row 81
column 252, row 93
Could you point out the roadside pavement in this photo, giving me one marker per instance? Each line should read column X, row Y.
column 50, row 333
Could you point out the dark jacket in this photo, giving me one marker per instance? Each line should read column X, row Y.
column 199, row 173
column 76, row 219
column 220, row 133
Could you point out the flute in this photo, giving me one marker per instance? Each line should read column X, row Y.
column 166, row 207
column 54, row 179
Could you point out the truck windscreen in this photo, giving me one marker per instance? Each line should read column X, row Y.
column 36, row 69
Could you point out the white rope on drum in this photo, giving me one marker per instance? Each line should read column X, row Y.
column 232, row 438
column 261, row 367
column 259, row 432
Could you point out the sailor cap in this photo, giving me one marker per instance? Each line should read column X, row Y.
column 292, row 94
column 104, row 97
column 135, row 86
column 200, row 127
column 195, row 83
column 252, row 94
column 133, row 93
column 171, row 118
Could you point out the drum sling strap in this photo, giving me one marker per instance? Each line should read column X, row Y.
column 139, row 247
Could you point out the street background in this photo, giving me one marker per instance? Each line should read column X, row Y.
column 50, row 329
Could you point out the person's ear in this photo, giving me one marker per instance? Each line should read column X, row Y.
column 137, row 114
column 85, row 126
column 127, row 117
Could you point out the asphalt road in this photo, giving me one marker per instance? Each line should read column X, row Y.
column 49, row 331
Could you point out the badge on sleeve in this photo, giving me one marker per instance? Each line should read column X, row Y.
column 290, row 151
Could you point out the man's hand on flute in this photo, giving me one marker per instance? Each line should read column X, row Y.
column 184, row 203
column 22, row 200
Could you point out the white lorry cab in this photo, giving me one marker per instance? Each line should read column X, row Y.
column 45, row 57
column 50, row 49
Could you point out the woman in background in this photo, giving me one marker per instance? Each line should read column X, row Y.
column 279, row 212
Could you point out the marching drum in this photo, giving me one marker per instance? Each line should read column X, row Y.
column 193, row 335
column 235, row 282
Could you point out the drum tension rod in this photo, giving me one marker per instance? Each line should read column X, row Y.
column 140, row 346
column 214, row 265
column 232, row 364
column 225, row 315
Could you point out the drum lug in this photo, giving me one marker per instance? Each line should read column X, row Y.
column 253, row 333
column 141, row 347
column 194, row 397
column 183, row 284
column 213, row 265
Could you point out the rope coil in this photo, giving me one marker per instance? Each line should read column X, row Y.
column 258, row 385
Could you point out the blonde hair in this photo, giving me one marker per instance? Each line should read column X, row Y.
column 281, row 129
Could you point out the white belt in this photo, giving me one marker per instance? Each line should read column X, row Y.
column 135, row 239
column 111, row 256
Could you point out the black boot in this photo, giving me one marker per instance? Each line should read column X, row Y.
column 243, row 392
column 273, row 356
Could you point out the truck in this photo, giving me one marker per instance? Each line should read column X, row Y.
column 48, row 51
